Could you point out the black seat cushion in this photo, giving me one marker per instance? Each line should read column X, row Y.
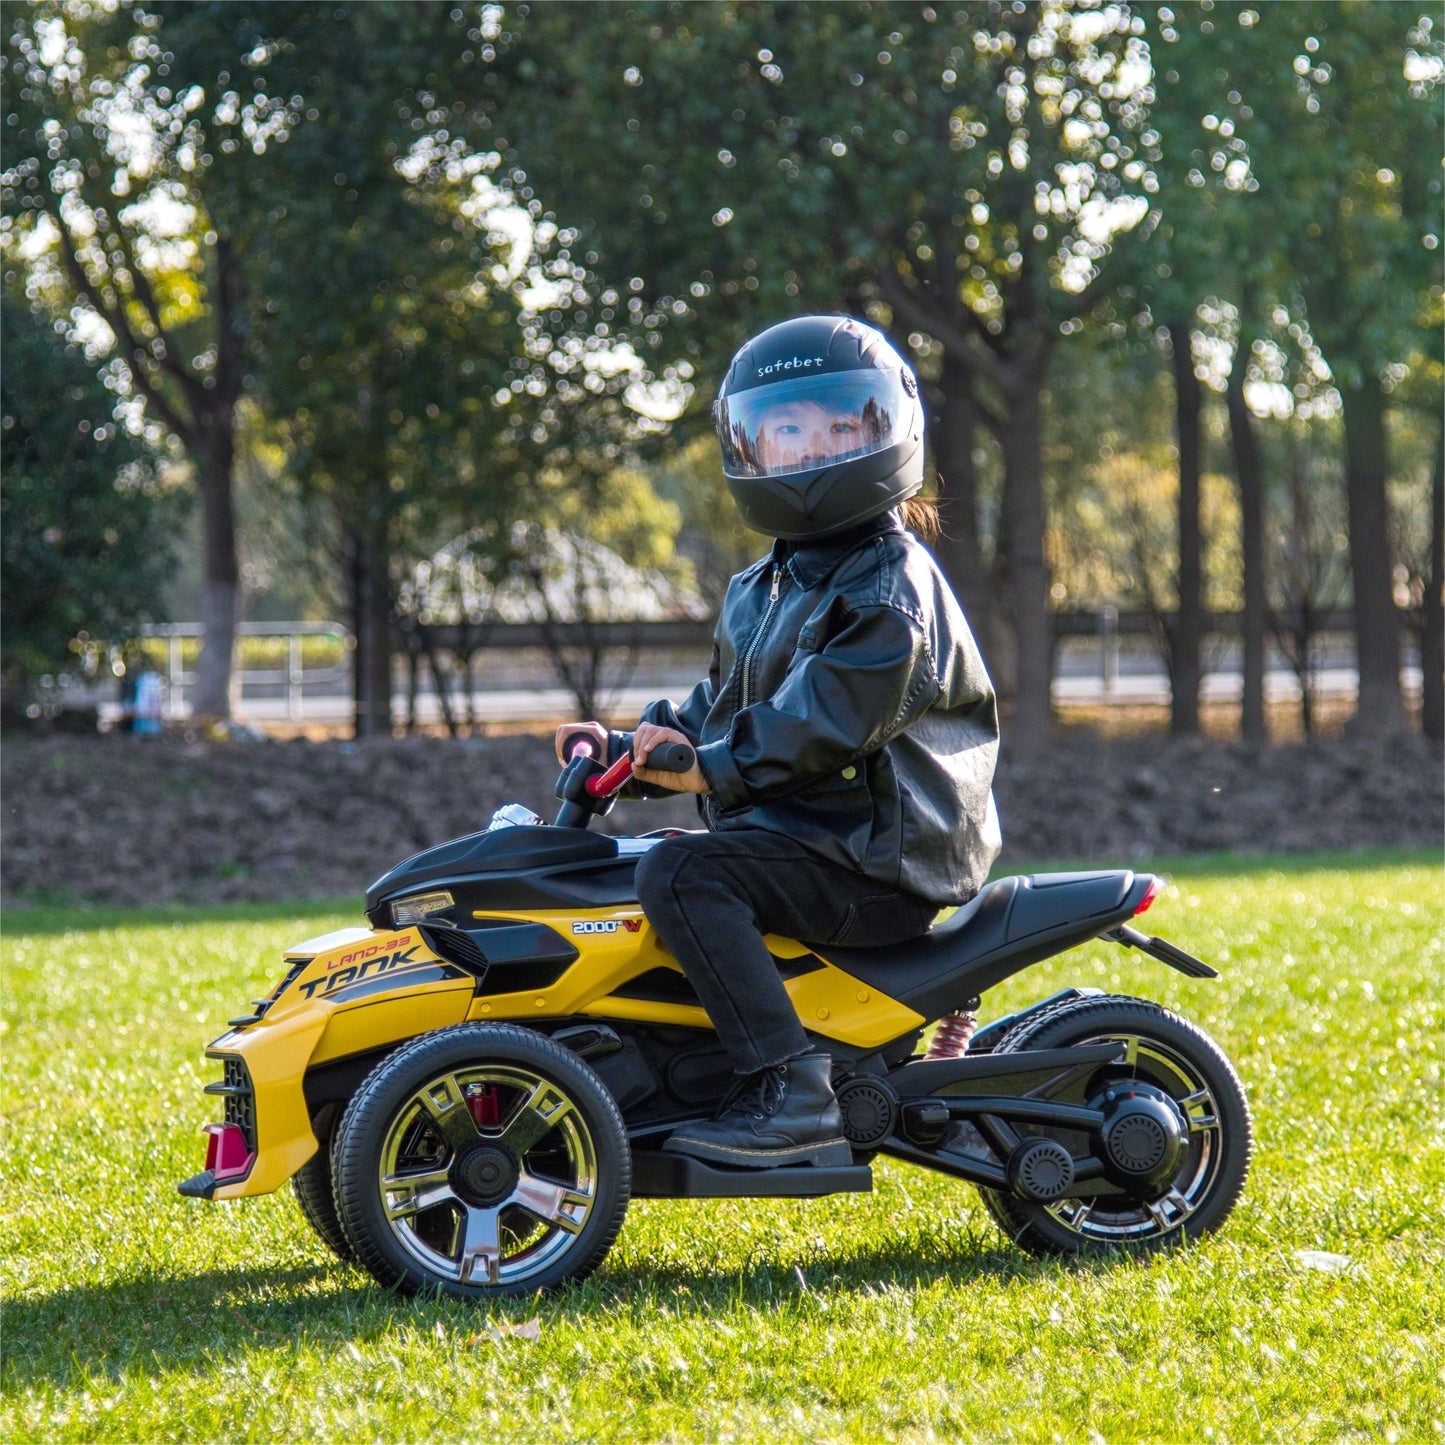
column 1011, row 923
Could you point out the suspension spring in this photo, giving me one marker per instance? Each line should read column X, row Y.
column 951, row 1038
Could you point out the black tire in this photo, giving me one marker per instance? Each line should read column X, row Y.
column 1174, row 1055
column 481, row 1160
column 312, row 1185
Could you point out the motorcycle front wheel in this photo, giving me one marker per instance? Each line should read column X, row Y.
column 1164, row 1053
column 481, row 1160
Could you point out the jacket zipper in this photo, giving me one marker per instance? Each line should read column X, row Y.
column 750, row 652
column 745, row 664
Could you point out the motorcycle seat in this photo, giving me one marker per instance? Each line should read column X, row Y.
column 1010, row 923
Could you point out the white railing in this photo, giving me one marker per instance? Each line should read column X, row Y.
column 295, row 677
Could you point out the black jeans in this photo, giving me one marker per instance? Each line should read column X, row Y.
column 712, row 897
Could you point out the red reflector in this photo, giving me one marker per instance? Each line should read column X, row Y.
column 1155, row 888
column 226, row 1151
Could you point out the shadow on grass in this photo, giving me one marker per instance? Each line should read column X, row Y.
column 199, row 1322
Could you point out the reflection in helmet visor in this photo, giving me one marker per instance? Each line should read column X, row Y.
column 808, row 421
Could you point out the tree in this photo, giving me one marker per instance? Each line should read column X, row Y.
column 957, row 176
column 207, row 178
column 110, row 171
column 1327, row 111
column 84, row 519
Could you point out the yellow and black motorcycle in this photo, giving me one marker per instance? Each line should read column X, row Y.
column 466, row 1094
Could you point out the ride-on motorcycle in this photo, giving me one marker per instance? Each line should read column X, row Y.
column 466, row 1094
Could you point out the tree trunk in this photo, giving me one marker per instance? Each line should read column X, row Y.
column 1377, row 624
column 953, row 430
column 1432, row 633
column 371, row 622
column 1251, row 509
column 1188, row 628
column 212, row 697
column 1028, row 575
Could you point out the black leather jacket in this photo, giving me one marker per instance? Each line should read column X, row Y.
column 847, row 706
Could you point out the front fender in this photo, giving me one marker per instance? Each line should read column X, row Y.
column 275, row 1058
column 325, row 1015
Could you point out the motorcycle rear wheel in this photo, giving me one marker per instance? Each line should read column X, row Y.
column 1173, row 1055
column 481, row 1160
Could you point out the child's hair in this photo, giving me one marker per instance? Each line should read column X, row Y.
column 920, row 515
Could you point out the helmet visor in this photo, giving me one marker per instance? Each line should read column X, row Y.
column 812, row 421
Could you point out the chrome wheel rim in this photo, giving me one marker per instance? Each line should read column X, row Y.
column 488, row 1174
column 1116, row 1219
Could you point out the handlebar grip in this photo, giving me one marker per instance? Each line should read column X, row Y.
column 670, row 758
column 579, row 745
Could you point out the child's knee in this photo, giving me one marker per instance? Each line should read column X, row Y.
column 656, row 876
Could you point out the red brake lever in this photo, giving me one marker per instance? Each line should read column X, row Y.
column 605, row 784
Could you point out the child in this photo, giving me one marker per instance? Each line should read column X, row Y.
column 845, row 735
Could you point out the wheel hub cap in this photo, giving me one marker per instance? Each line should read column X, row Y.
column 484, row 1175
column 1143, row 1137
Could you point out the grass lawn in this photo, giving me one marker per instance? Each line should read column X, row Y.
column 133, row 1314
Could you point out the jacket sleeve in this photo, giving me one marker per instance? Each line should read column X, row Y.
column 868, row 683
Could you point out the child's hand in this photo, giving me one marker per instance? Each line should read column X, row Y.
column 593, row 730
column 649, row 736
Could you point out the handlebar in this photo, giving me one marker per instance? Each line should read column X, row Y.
column 587, row 789
column 665, row 758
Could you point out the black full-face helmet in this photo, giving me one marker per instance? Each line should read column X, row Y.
column 820, row 427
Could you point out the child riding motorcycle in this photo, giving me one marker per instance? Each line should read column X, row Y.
column 466, row 1094
column 845, row 735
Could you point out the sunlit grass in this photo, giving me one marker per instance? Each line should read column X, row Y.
column 133, row 1314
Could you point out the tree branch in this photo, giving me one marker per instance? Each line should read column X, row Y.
column 911, row 307
column 138, row 359
column 169, row 357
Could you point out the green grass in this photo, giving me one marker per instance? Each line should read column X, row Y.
column 132, row 1314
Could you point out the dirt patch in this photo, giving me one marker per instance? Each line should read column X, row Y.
column 130, row 820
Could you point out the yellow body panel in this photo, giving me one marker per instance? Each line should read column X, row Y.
column 829, row 1002
column 304, row 1027
column 277, row 1057
column 399, row 1015
column 376, row 988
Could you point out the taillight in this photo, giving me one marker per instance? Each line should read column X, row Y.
column 1155, row 888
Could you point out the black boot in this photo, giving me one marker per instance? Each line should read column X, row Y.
column 785, row 1114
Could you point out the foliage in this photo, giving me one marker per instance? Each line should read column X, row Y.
column 87, row 525
column 898, row 1315
column 713, row 536
column 121, row 216
column 955, row 174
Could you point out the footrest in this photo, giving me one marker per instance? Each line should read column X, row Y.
column 656, row 1175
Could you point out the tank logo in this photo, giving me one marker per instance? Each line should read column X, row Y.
column 793, row 363
column 615, row 925
column 369, row 968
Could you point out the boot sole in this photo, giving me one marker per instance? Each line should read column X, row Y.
column 828, row 1154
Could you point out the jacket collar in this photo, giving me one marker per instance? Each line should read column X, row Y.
column 810, row 562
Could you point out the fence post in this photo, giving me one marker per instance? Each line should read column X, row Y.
column 293, row 677
column 1109, row 647
column 174, row 664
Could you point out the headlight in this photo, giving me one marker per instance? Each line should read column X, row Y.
column 417, row 908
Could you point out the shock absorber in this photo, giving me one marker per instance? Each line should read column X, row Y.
column 951, row 1037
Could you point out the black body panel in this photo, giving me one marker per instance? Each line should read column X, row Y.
column 508, row 869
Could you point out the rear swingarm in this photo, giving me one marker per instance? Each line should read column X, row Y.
column 994, row 1094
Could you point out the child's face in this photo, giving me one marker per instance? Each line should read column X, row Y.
column 803, row 433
